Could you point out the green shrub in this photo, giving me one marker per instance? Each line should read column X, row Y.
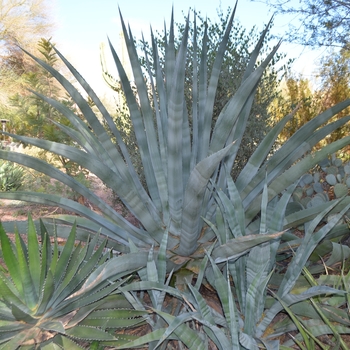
column 11, row 176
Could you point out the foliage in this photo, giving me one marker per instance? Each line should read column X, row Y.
column 313, row 97
column 22, row 23
column 30, row 110
column 250, row 291
column 334, row 77
column 261, row 290
column 331, row 178
column 323, row 23
column 184, row 163
column 296, row 94
column 51, row 294
column 34, row 117
column 123, row 121
column 191, row 215
column 238, row 51
column 11, row 176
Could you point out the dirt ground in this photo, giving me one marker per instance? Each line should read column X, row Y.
column 18, row 210
column 15, row 210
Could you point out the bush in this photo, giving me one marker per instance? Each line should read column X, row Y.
column 11, row 176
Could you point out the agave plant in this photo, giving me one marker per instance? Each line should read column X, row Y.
column 54, row 295
column 185, row 161
column 251, row 291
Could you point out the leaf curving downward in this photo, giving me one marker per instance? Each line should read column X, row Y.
column 239, row 246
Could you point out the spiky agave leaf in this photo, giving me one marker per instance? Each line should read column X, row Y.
column 296, row 267
column 46, row 289
column 280, row 173
column 328, row 312
column 251, row 272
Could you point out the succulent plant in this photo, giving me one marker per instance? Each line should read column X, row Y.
column 53, row 294
column 189, row 195
column 184, row 159
column 250, row 291
column 337, row 175
column 329, row 179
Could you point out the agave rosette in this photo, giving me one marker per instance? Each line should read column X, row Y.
column 54, row 294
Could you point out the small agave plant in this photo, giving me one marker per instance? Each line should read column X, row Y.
column 185, row 160
column 63, row 296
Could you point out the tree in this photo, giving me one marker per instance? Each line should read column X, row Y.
column 22, row 24
column 321, row 22
column 312, row 99
column 334, row 76
column 298, row 95
column 31, row 111
column 32, row 116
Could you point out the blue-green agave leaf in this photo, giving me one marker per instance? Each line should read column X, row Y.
column 239, row 246
column 252, row 201
column 206, row 112
column 193, row 200
column 290, row 299
column 185, row 334
column 306, row 247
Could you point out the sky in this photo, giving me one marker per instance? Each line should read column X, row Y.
column 82, row 25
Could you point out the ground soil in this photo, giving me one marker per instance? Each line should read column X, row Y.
column 18, row 210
